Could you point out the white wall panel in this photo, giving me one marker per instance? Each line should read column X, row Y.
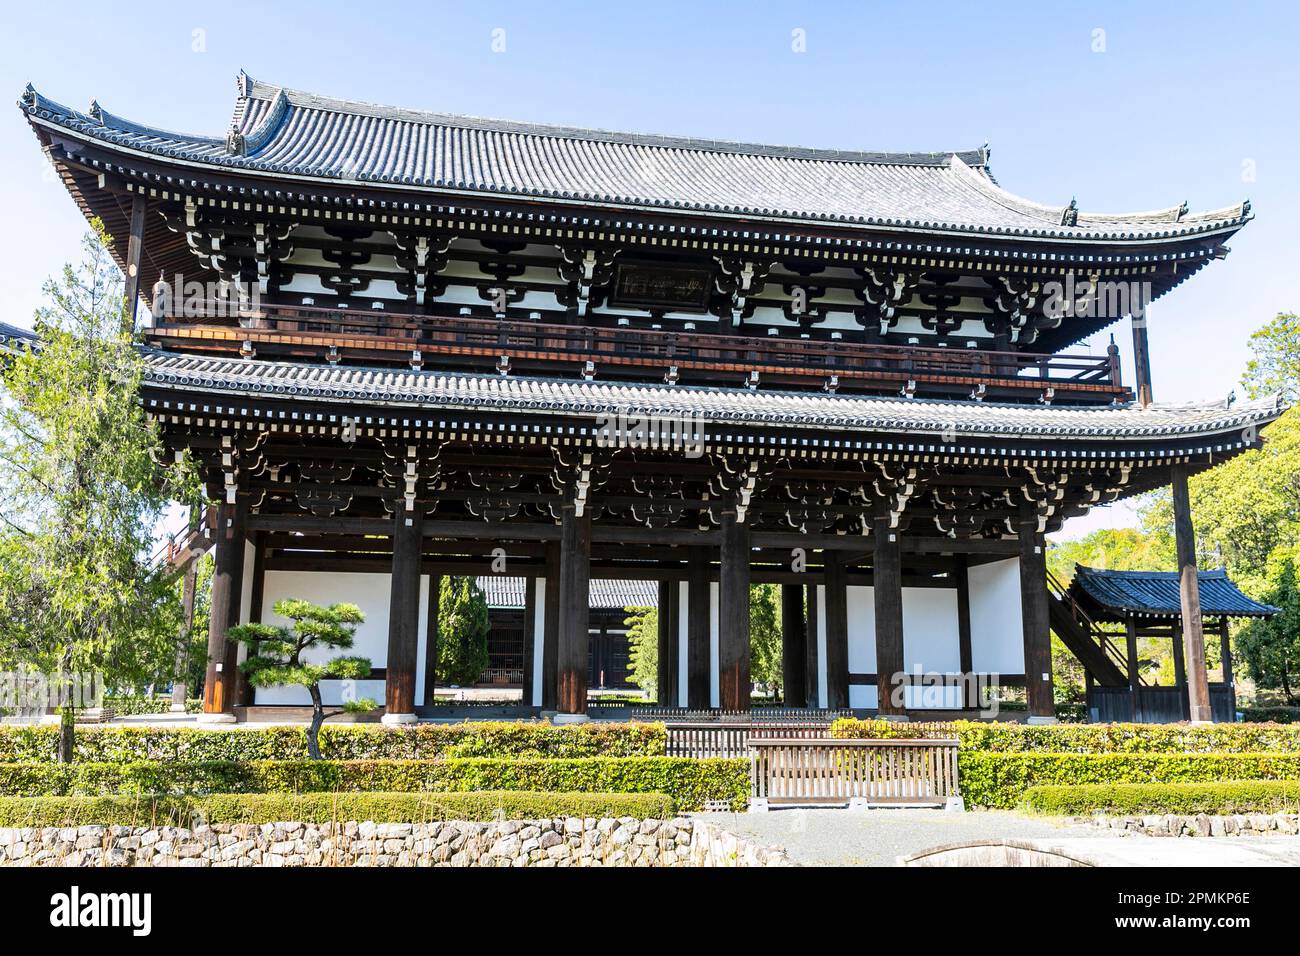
column 539, row 635
column 997, row 636
column 822, row 693
column 715, row 667
column 683, row 662
column 931, row 640
column 862, row 631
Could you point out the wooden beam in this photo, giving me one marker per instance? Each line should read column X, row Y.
column 794, row 649
column 575, row 581
column 1034, row 618
column 837, row 633
column 669, row 628
column 531, row 586
column 812, row 666
column 733, row 615
column 403, row 618
column 431, row 640
column 1189, row 590
column 223, row 612
column 134, row 262
column 965, row 651
column 1141, row 360
column 699, row 613
column 888, row 592
column 1225, row 650
column 244, row 691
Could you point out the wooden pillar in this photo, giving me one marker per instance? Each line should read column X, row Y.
column 551, row 630
column 837, row 632
column 965, row 651
column 244, row 691
column 403, row 618
column 1141, row 360
column 1034, row 617
column 699, row 611
column 733, row 615
column 1180, row 665
column 134, row 262
column 669, row 629
column 887, row 581
column 1225, row 650
column 1189, row 587
column 227, row 578
column 530, row 638
column 1134, row 681
column 180, row 680
column 812, row 666
column 794, row 649
column 431, row 640
column 574, row 636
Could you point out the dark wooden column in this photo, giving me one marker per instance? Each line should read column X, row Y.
column 134, row 262
column 699, row 612
column 403, row 618
column 733, row 615
column 227, row 584
column 669, row 633
column 1141, row 360
column 812, row 665
column 794, row 646
column 574, row 636
column 1134, row 682
column 1034, row 617
column 530, row 639
column 1225, row 650
column 551, row 631
column 965, row 651
column 887, row 582
column 431, row 640
column 837, row 632
column 1189, row 588
column 244, row 691
column 180, row 681
column 1180, row 664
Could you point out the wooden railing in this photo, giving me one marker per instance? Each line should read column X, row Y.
column 837, row 771
column 614, row 350
column 1118, row 657
column 734, row 739
column 673, row 715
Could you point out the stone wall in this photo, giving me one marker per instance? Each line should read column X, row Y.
column 558, row 842
column 1201, row 825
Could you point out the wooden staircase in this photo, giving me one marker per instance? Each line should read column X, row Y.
column 1086, row 640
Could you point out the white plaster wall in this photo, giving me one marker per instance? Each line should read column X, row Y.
column 822, row 682
column 997, row 637
column 422, row 641
column 539, row 636
column 683, row 665
column 715, row 666
column 370, row 592
column 931, row 637
column 862, row 629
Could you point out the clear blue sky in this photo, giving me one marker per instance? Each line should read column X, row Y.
column 1185, row 98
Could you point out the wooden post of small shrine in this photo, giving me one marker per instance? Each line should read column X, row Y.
column 1189, row 589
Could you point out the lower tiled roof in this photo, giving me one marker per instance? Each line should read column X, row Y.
column 1156, row 593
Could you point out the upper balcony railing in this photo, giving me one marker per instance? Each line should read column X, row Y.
column 514, row 346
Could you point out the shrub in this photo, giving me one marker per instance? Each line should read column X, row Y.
column 1276, row 715
column 341, row 742
column 1228, row 797
column 1000, row 780
column 690, row 783
column 1087, row 738
column 325, row 808
column 139, row 704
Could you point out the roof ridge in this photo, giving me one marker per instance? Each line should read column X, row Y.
column 258, row 89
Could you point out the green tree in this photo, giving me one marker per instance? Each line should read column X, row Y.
column 1275, row 367
column 1270, row 648
column 642, row 625
column 277, row 656
column 765, row 637
column 81, row 491
column 462, row 631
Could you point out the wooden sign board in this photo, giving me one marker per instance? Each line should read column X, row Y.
column 664, row 287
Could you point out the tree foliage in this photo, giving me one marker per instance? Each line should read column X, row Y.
column 280, row 656
column 462, row 631
column 642, row 625
column 1275, row 367
column 1270, row 649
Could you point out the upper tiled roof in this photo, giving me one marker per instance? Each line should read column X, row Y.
column 932, row 418
column 1155, row 593
column 281, row 132
column 606, row 593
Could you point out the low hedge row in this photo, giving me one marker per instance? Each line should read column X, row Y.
column 1000, row 780
column 138, row 704
column 1124, row 799
column 690, row 783
column 1087, row 738
column 1276, row 715
column 28, row 744
column 188, row 811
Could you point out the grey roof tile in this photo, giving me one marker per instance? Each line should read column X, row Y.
column 1156, row 593
column 283, row 132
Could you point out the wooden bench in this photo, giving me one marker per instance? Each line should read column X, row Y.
column 717, row 738
column 806, row 771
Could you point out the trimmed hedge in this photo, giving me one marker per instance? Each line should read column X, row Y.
column 1000, row 780
column 1086, row 738
column 690, row 783
column 325, row 808
column 1276, row 715
column 137, row 704
column 34, row 744
column 1125, row 799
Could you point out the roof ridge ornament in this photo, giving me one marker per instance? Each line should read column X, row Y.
column 1070, row 214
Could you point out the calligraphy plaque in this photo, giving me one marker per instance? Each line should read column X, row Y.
column 648, row 285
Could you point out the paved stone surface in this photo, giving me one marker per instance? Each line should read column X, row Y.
column 878, row 837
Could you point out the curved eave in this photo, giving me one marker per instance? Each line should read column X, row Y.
column 209, row 154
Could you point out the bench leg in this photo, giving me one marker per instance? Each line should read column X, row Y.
column 954, row 805
column 758, row 805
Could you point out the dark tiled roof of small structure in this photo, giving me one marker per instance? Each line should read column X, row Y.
column 287, row 133
column 445, row 391
column 1155, row 593
column 606, row 593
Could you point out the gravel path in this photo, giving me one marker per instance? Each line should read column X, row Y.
column 878, row 837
